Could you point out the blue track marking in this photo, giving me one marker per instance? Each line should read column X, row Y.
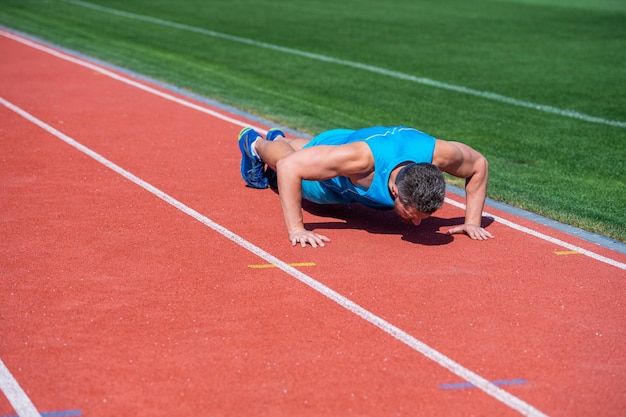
column 468, row 385
column 64, row 413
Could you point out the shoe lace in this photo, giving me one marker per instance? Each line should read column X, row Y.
column 256, row 173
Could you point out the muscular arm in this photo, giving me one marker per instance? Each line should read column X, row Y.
column 315, row 163
column 462, row 161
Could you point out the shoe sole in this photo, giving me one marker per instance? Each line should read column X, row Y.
column 244, row 147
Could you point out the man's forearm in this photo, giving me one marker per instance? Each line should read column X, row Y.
column 291, row 203
column 476, row 193
column 290, row 192
column 474, row 204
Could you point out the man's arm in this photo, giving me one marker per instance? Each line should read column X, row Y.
column 462, row 161
column 315, row 163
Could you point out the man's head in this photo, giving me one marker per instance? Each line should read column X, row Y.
column 420, row 190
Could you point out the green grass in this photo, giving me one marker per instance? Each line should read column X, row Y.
column 565, row 54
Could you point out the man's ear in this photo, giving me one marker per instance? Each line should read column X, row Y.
column 394, row 191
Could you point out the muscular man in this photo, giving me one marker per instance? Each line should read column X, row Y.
column 380, row 167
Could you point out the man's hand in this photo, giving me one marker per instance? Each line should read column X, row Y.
column 474, row 231
column 305, row 236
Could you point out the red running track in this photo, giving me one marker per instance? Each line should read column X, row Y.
column 116, row 302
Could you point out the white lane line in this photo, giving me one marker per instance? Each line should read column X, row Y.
column 128, row 81
column 545, row 237
column 22, row 405
column 419, row 346
column 241, row 123
column 357, row 65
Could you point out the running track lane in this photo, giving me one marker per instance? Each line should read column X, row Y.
column 508, row 308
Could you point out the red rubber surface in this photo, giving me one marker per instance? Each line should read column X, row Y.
column 114, row 302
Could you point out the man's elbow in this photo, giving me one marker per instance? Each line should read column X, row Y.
column 484, row 164
column 287, row 168
column 479, row 171
column 283, row 165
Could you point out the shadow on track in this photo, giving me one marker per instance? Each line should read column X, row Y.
column 357, row 216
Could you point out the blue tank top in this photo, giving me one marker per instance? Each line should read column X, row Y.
column 390, row 146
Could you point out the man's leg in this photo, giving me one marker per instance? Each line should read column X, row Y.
column 273, row 151
column 257, row 151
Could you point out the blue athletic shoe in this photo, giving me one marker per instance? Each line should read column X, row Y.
column 273, row 133
column 251, row 166
column 270, row 174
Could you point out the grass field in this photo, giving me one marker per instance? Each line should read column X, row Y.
column 319, row 64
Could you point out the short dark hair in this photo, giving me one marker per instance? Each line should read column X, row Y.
column 421, row 186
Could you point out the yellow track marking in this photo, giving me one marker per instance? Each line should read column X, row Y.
column 261, row 266
column 566, row 252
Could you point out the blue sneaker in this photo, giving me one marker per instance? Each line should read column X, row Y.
column 273, row 133
column 251, row 166
column 270, row 174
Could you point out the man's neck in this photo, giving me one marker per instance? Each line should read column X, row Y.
column 392, row 180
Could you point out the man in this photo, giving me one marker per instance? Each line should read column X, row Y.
column 380, row 167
